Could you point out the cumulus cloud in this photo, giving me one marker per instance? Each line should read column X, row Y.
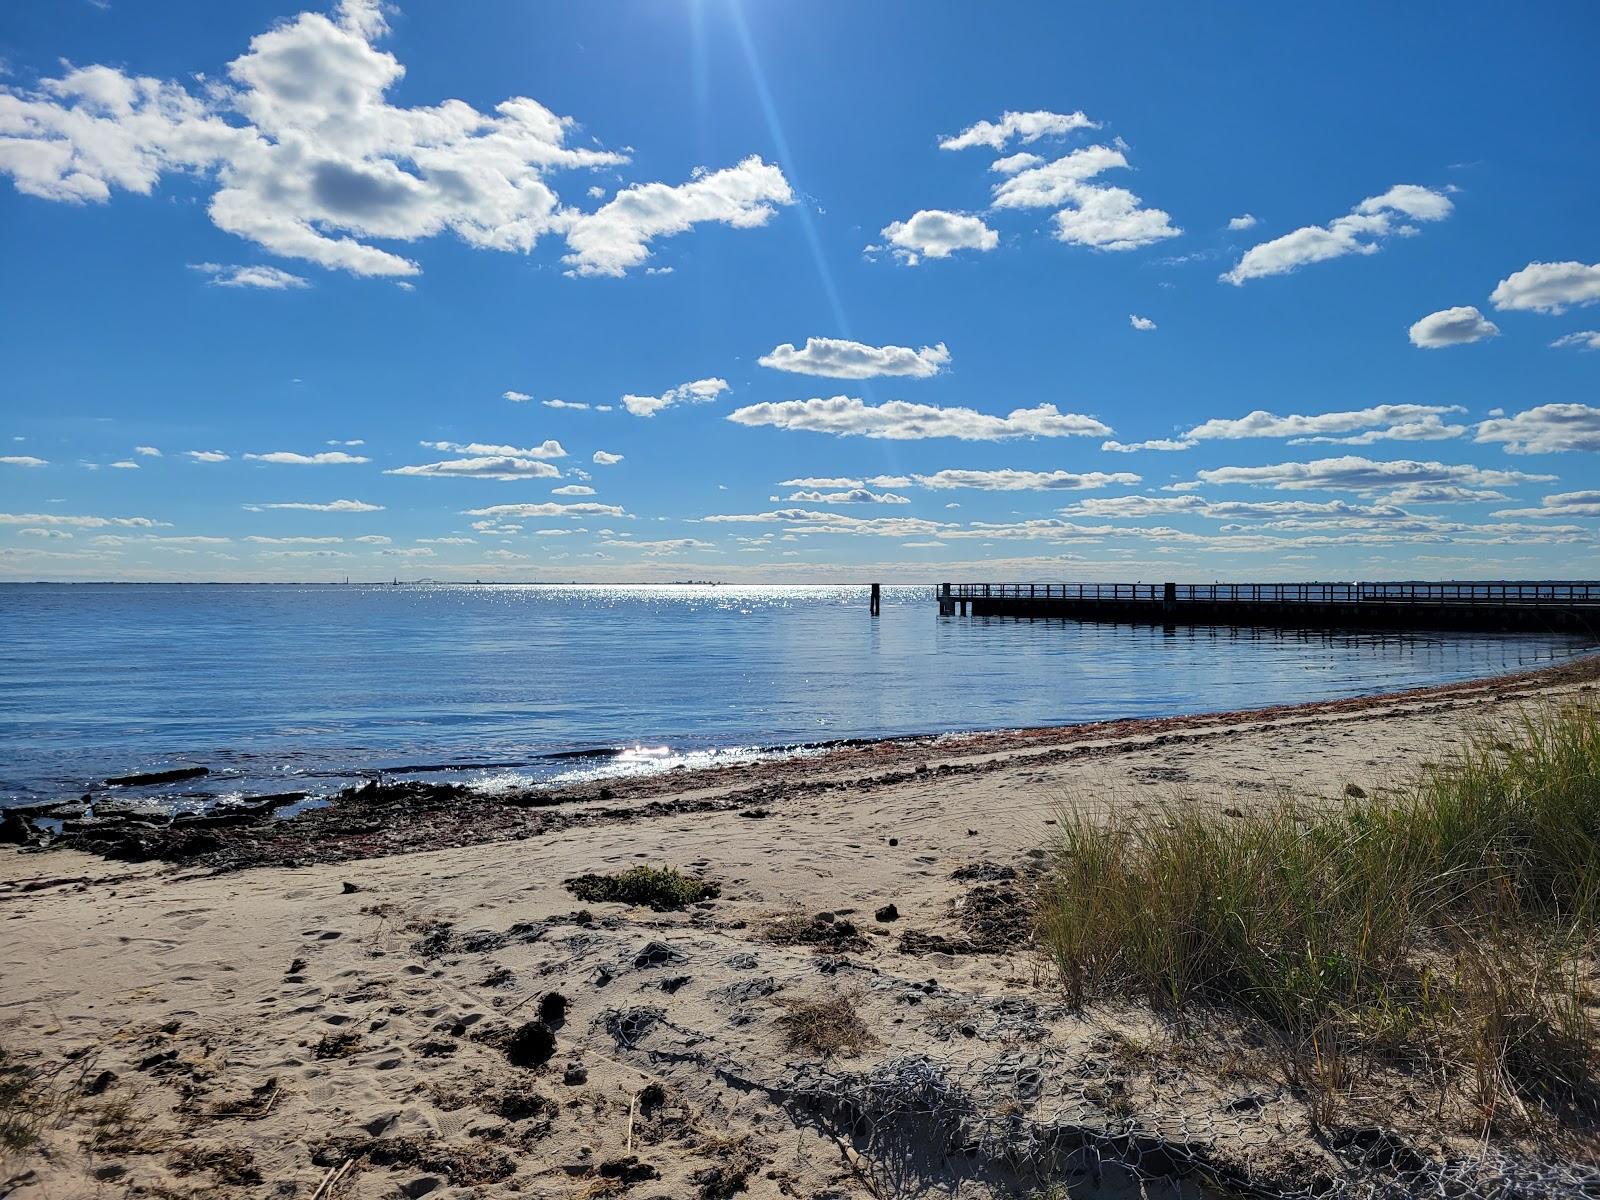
column 1243, row 221
column 78, row 522
column 1381, row 422
column 307, row 157
column 572, row 489
column 700, row 391
column 549, row 448
column 846, row 416
column 1584, row 339
column 1547, row 429
column 617, row 236
column 1452, row 327
column 23, row 460
column 838, row 358
column 1091, row 214
column 1012, row 163
column 1114, row 447
column 1353, row 473
column 1562, row 504
column 207, row 456
column 857, row 495
column 1008, row 480
column 1548, row 287
column 323, row 458
column 507, row 468
column 1024, row 127
column 1143, row 324
column 936, row 233
column 514, row 512
column 1361, row 231
column 147, row 451
column 516, row 397
column 553, row 403
column 605, row 458
column 339, row 506
column 126, row 464
column 293, row 541
column 267, row 278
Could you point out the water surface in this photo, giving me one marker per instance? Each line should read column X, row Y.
column 308, row 687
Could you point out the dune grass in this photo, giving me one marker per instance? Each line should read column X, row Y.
column 1450, row 925
column 660, row 888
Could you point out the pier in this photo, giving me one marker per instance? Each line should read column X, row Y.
column 1494, row 605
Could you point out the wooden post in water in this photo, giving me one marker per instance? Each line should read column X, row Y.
column 877, row 599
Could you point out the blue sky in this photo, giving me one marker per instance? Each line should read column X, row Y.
column 823, row 291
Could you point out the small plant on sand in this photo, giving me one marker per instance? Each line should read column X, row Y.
column 826, row 1026
column 1453, row 923
column 661, row 888
column 23, row 1106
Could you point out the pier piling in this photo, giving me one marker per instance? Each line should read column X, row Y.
column 877, row 598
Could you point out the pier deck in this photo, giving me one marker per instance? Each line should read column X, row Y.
column 1535, row 605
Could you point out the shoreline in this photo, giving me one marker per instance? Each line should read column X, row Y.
column 364, row 978
column 395, row 816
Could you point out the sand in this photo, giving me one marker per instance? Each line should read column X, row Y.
column 246, row 1033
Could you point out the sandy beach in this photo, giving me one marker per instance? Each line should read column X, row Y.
column 327, row 1006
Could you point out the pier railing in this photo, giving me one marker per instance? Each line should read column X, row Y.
column 1494, row 593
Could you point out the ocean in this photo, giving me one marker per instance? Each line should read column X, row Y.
column 310, row 688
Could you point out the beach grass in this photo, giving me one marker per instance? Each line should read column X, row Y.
column 1448, row 926
column 660, row 888
column 22, row 1105
column 826, row 1026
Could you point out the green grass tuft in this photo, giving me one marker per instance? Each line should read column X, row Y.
column 661, row 888
column 1451, row 923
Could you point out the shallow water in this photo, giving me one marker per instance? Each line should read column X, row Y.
column 308, row 687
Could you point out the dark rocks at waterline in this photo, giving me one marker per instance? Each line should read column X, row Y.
column 16, row 829
column 151, row 778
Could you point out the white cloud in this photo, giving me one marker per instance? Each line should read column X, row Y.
column 23, row 460
column 447, row 541
column 1361, row 231
column 665, row 546
column 349, row 442
column 147, row 451
column 825, row 481
column 1106, row 218
column 1547, row 429
column 549, row 448
column 516, row 397
column 1013, row 163
column 1548, row 287
column 266, row 278
column 78, row 522
column 1243, row 221
column 572, row 489
column 1151, row 444
column 294, row 541
column 1584, row 339
column 858, row 495
column 126, row 464
column 374, row 539
column 207, row 456
column 323, row 458
column 617, row 236
column 487, row 466
column 1562, row 504
column 306, row 157
column 513, row 512
column 1023, row 126
column 1381, row 422
column 605, row 458
column 1143, row 324
column 936, row 233
column 700, row 391
column 1452, row 327
column 340, row 506
column 846, row 416
column 1008, row 480
column 1353, row 473
column 553, row 403
column 838, row 358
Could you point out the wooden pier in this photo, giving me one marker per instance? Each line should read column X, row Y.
column 1544, row 606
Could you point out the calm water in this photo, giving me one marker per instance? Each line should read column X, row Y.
column 307, row 687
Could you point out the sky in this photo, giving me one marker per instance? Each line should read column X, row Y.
column 757, row 291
